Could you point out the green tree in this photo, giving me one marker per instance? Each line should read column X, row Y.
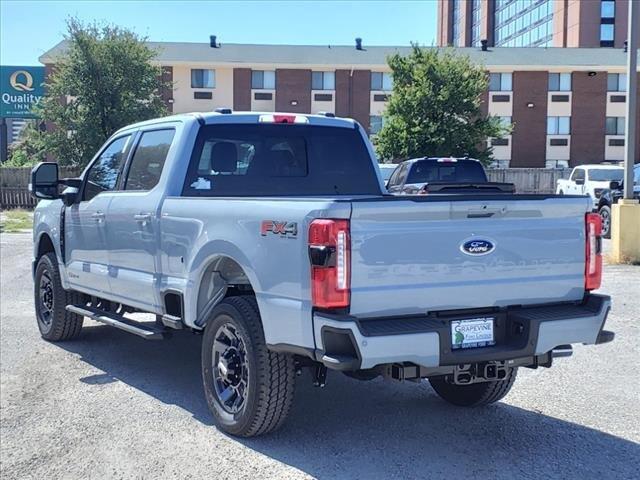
column 30, row 147
column 108, row 81
column 434, row 109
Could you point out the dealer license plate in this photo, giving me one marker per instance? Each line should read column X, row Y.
column 472, row 333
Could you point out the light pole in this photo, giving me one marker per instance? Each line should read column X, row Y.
column 625, row 214
column 632, row 98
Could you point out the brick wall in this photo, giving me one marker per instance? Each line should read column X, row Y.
column 353, row 95
column 166, row 91
column 530, row 124
column 361, row 97
column 588, row 111
column 293, row 86
column 242, row 89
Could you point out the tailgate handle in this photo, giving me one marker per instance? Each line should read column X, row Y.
column 480, row 214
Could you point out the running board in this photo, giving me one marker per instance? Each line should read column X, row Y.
column 118, row 321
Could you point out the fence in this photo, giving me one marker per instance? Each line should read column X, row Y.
column 14, row 190
column 529, row 180
column 15, row 193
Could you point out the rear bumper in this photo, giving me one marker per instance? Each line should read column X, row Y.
column 348, row 343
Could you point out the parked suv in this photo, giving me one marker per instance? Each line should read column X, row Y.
column 273, row 236
column 609, row 196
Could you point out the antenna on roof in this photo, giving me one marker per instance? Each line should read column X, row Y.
column 212, row 42
column 359, row 44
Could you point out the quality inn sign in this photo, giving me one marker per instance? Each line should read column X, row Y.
column 21, row 89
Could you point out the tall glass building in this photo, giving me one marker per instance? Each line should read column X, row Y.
column 523, row 24
column 532, row 23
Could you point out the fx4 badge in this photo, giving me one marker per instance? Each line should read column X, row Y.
column 282, row 229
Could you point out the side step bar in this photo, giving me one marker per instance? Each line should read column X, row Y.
column 118, row 321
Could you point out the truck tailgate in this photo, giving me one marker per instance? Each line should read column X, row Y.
column 407, row 255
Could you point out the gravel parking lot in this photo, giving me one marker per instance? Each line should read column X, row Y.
column 114, row 405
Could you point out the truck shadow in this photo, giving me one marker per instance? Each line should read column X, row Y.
column 375, row 429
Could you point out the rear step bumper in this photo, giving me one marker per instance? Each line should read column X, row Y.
column 349, row 343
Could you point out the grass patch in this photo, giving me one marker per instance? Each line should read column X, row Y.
column 15, row 221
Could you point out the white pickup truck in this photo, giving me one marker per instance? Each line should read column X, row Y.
column 590, row 180
column 273, row 236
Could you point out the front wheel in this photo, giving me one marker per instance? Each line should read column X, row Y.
column 51, row 300
column 605, row 215
column 249, row 389
column 476, row 394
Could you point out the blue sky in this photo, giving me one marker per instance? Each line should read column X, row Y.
column 29, row 28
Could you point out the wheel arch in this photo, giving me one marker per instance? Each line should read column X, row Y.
column 44, row 245
column 220, row 270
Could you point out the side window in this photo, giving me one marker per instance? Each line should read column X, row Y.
column 404, row 172
column 393, row 180
column 103, row 174
column 148, row 159
column 578, row 174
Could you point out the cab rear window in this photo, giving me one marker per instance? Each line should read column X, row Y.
column 425, row 171
column 264, row 160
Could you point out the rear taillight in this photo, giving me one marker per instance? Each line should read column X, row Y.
column 330, row 256
column 593, row 258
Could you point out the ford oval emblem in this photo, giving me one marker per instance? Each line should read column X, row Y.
column 477, row 247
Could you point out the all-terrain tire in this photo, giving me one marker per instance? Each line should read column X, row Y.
column 476, row 394
column 54, row 321
column 605, row 215
column 270, row 379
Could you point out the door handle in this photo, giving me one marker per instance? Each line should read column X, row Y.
column 142, row 217
column 98, row 216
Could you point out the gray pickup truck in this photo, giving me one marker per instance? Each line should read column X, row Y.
column 273, row 236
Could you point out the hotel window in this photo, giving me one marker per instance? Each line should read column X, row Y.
column 607, row 9
column 556, row 164
column 559, row 82
column 499, row 164
column 606, row 34
column 476, row 22
column 457, row 23
column 381, row 81
column 558, row 125
column 500, row 82
column 203, row 78
column 505, row 121
column 607, row 21
column 375, row 124
column 617, row 82
column 323, row 81
column 263, row 79
column 615, row 126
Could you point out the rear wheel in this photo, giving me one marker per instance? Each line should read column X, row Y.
column 476, row 394
column 54, row 321
column 605, row 215
column 249, row 389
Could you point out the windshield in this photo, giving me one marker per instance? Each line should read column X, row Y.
column 636, row 174
column 425, row 171
column 606, row 174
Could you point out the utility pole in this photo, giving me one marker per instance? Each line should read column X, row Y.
column 632, row 98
